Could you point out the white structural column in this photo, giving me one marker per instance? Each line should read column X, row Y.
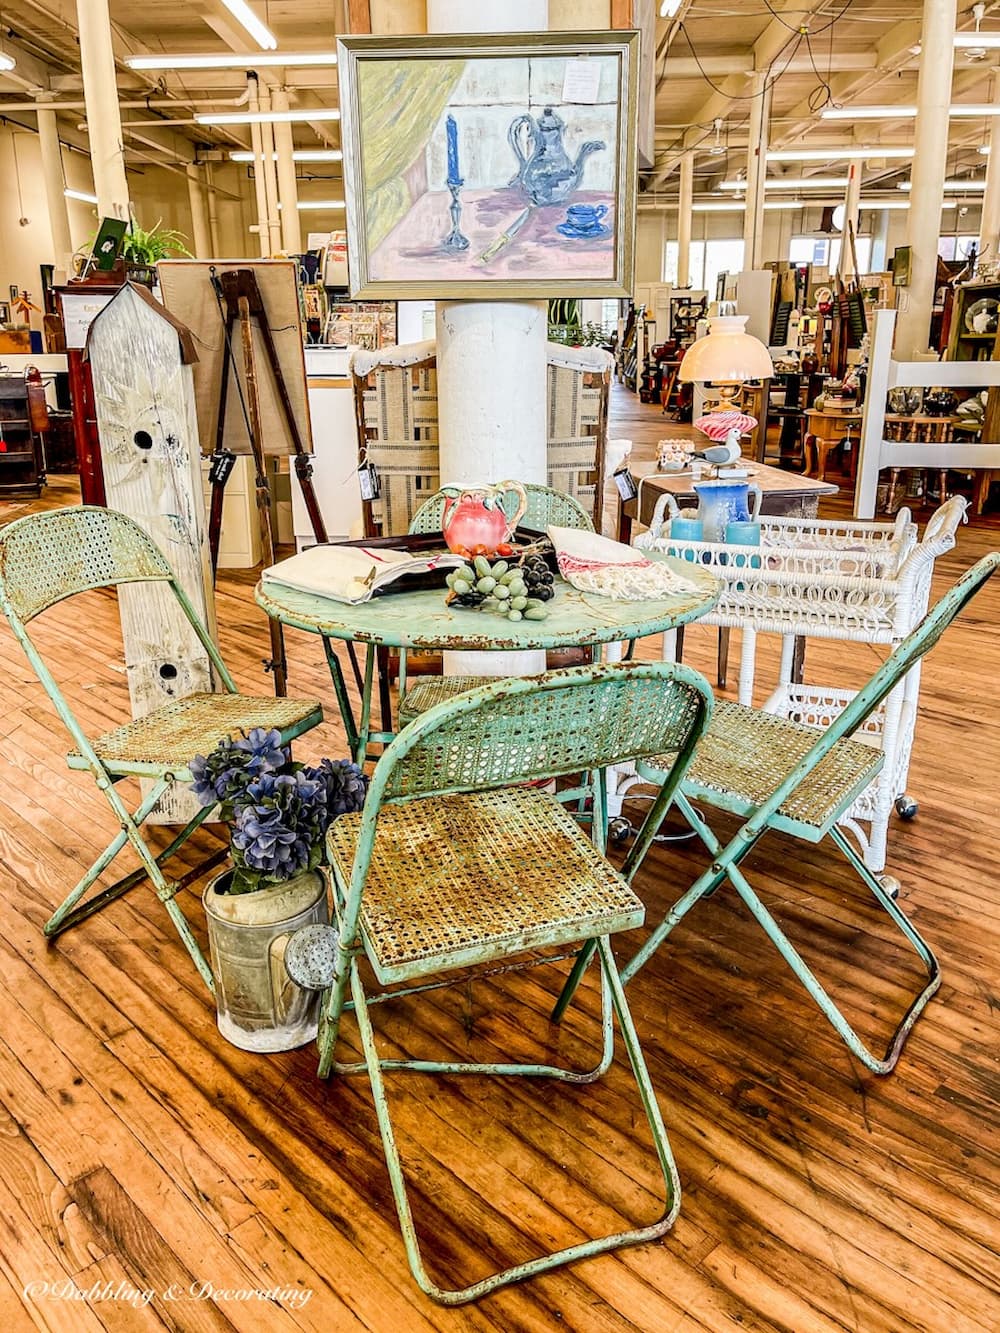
column 270, row 178
column 989, row 226
column 100, row 92
column 685, row 201
column 256, row 143
column 852, row 212
column 201, row 237
column 288, row 187
column 753, row 218
column 55, row 184
column 930, row 151
column 491, row 355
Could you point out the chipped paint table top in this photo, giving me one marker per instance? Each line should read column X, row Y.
column 421, row 619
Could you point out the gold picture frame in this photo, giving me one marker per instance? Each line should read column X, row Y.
column 490, row 166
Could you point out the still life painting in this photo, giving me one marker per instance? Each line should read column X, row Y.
column 489, row 165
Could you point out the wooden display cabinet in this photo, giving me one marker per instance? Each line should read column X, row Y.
column 22, row 463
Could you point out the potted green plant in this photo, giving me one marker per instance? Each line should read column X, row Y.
column 142, row 250
column 278, row 812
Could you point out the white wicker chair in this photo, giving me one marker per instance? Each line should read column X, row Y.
column 813, row 578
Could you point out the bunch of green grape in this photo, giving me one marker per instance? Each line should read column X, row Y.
column 500, row 587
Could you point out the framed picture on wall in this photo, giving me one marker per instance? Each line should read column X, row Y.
column 490, row 166
column 4, row 313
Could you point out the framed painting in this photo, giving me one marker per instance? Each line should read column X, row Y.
column 489, row 166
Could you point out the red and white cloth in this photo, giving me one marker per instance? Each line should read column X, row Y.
column 598, row 565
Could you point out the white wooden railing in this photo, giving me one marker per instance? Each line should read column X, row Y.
column 876, row 452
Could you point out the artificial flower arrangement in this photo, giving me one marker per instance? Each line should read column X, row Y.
column 278, row 810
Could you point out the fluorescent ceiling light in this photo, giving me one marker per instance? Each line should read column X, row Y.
column 984, row 149
column 792, row 183
column 958, row 185
column 82, row 195
column 232, row 60
column 974, row 39
column 299, row 155
column 6, row 61
column 835, row 154
column 266, row 117
column 669, row 8
column 315, row 205
column 904, row 112
column 737, row 206
column 244, row 15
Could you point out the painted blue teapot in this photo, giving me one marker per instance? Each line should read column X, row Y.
column 545, row 171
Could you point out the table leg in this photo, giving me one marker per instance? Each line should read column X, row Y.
column 723, row 662
column 340, row 690
column 624, row 525
column 890, row 499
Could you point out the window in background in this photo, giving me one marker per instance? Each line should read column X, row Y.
column 809, row 250
column 863, row 246
column 708, row 260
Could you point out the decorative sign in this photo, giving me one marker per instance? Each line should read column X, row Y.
column 79, row 311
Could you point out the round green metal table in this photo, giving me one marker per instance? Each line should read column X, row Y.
column 422, row 620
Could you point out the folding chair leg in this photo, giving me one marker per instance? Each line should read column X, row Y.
column 68, row 914
column 613, row 995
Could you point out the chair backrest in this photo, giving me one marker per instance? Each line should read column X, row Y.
column 545, row 506
column 569, row 721
column 396, row 408
column 47, row 557
column 915, row 646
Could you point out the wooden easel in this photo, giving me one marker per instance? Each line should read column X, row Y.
column 239, row 299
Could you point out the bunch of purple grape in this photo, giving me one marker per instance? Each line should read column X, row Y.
column 538, row 578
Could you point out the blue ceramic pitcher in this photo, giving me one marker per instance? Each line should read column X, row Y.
column 726, row 501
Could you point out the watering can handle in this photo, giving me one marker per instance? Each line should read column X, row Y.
column 665, row 503
column 515, row 488
column 758, row 498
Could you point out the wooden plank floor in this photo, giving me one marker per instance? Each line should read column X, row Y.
column 144, row 1159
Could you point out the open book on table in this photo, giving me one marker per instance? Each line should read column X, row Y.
column 356, row 572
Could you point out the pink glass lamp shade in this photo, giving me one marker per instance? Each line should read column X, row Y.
column 727, row 354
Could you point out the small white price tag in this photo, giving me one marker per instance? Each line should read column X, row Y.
column 581, row 81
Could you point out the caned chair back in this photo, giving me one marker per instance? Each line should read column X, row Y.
column 570, row 721
column 397, row 415
column 545, row 506
column 45, row 558
column 396, row 408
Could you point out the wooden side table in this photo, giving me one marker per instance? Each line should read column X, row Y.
column 825, row 428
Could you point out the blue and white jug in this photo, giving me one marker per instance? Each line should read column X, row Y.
column 724, row 501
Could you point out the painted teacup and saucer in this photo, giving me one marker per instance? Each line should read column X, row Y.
column 584, row 221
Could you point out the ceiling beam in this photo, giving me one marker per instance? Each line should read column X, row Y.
column 774, row 39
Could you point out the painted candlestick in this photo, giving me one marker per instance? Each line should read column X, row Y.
column 454, row 240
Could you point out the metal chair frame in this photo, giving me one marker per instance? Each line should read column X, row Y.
column 86, row 548
column 501, row 736
column 768, row 815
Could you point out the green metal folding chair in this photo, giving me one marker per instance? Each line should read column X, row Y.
column 46, row 558
column 780, row 774
column 451, row 866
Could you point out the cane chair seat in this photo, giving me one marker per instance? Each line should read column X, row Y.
column 174, row 734
column 746, row 754
column 467, row 879
column 426, row 691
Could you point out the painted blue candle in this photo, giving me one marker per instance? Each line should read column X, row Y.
column 451, row 131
